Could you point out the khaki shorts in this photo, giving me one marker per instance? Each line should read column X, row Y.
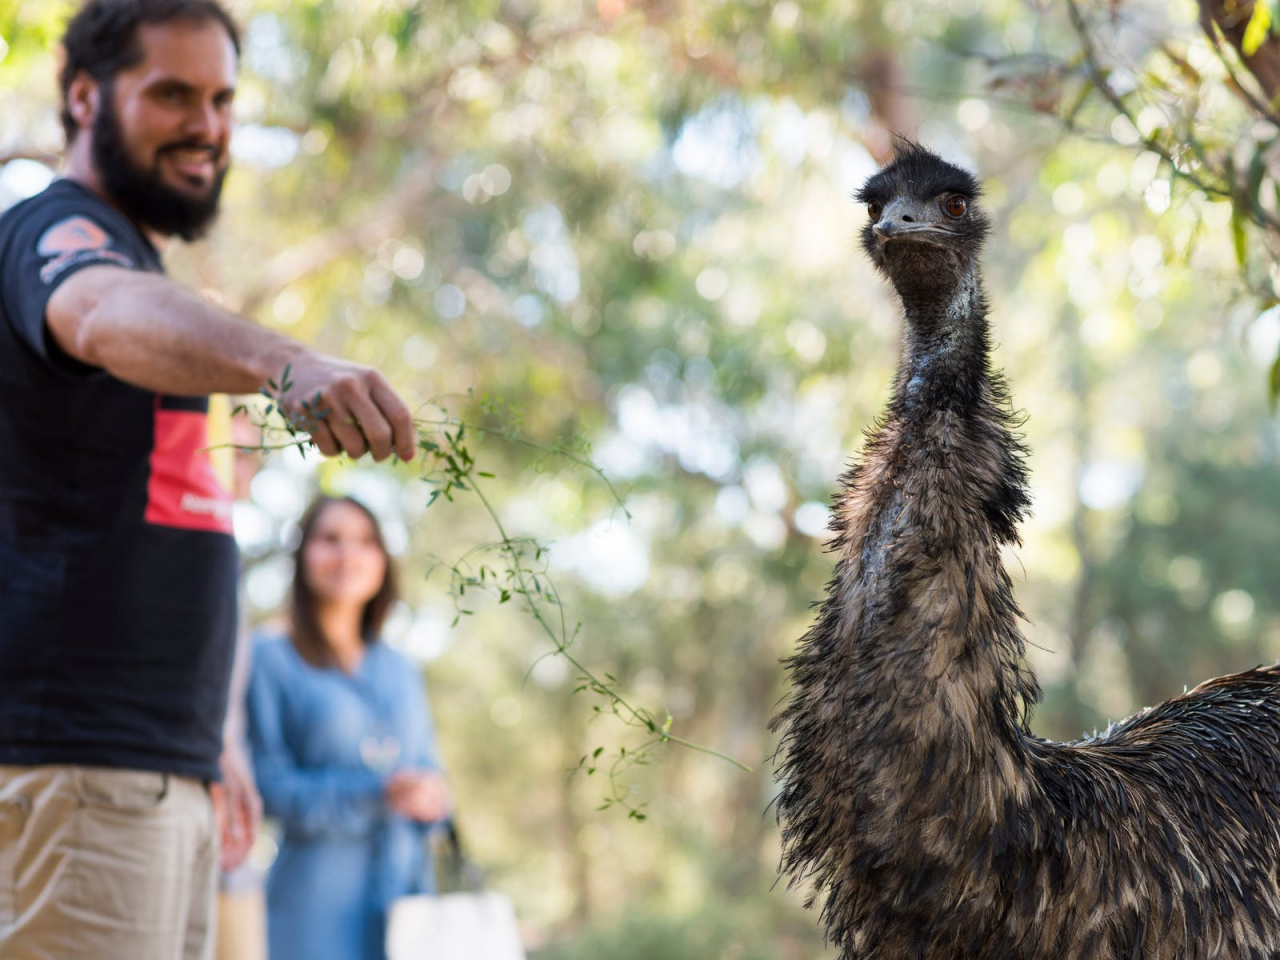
column 105, row 864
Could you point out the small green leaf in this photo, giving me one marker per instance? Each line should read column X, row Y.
column 1238, row 236
column 596, row 753
column 1258, row 28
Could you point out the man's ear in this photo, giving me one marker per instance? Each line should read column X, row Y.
column 84, row 99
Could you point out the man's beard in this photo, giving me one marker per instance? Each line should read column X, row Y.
column 141, row 194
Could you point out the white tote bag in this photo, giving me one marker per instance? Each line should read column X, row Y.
column 453, row 926
column 466, row 923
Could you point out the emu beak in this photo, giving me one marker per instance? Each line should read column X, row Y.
column 886, row 229
column 899, row 217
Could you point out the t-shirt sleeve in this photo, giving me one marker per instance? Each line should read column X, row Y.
column 48, row 247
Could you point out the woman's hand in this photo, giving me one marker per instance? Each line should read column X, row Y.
column 419, row 795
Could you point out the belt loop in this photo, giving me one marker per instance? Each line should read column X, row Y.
column 164, row 787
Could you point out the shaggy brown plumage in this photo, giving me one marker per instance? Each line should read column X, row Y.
column 931, row 824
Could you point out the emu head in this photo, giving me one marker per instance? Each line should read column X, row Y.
column 924, row 230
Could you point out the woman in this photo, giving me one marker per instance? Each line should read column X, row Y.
column 343, row 748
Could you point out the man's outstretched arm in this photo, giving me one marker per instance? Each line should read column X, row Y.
column 146, row 330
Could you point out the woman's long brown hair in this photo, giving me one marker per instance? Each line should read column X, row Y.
column 305, row 632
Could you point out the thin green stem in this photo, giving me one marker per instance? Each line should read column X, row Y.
column 448, row 466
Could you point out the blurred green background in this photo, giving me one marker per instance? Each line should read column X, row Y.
column 632, row 223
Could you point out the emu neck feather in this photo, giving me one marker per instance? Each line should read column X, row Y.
column 926, row 609
column 904, row 751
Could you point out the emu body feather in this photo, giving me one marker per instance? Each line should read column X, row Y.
column 929, row 822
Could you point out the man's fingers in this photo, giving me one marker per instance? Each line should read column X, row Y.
column 322, row 437
column 377, row 432
column 352, row 409
column 346, row 430
column 404, row 439
column 234, row 833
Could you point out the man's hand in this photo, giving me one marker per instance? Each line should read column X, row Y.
column 237, row 807
column 419, row 795
column 347, row 408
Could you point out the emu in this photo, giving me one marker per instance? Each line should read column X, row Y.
column 913, row 798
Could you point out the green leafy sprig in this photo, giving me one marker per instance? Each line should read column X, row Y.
column 522, row 575
column 521, row 572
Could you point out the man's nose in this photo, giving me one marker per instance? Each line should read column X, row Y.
column 205, row 121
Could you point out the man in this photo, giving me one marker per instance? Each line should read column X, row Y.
column 117, row 568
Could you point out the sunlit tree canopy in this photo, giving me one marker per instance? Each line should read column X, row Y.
column 631, row 224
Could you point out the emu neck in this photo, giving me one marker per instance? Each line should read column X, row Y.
column 944, row 349
column 902, row 749
column 923, row 588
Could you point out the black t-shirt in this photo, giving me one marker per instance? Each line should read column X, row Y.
column 117, row 565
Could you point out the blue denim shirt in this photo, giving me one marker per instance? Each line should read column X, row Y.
column 324, row 742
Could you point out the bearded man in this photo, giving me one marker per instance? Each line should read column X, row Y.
column 117, row 565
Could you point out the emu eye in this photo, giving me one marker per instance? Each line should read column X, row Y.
column 955, row 206
column 874, row 209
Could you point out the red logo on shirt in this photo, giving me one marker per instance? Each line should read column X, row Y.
column 184, row 491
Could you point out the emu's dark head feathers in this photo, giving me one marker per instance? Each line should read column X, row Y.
column 924, row 229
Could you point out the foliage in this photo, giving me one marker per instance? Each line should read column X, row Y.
column 1196, row 87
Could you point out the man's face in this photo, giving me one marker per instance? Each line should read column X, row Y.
column 160, row 137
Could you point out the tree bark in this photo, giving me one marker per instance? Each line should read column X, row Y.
column 1230, row 17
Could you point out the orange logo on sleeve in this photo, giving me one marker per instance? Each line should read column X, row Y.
column 74, row 241
column 71, row 236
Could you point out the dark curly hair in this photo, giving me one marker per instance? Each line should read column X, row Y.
column 102, row 39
